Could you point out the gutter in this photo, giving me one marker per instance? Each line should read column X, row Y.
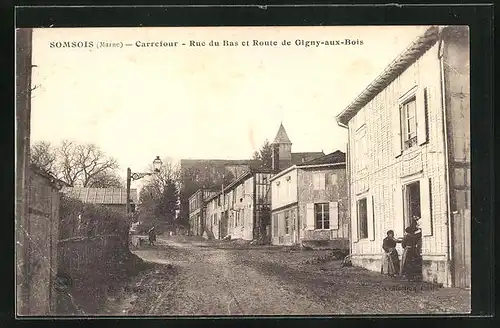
column 445, row 148
column 348, row 173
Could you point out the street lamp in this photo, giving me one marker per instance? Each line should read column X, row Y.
column 157, row 163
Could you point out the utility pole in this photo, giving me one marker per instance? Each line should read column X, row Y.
column 129, row 177
column 23, row 117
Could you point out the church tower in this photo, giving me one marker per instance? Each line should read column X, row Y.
column 282, row 150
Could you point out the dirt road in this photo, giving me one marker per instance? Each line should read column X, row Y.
column 201, row 278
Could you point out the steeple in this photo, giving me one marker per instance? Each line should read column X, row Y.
column 281, row 136
column 282, row 150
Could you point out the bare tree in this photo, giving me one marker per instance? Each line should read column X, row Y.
column 43, row 155
column 85, row 165
column 106, row 179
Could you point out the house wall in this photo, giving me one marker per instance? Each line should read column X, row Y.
column 196, row 202
column 283, row 202
column 385, row 171
column 42, row 229
column 241, row 204
column 279, row 233
column 212, row 217
column 335, row 191
column 284, row 190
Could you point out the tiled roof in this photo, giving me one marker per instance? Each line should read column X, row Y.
column 281, row 136
column 298, row 158
column 332, row 158
column 106, row 196
column 419, row 46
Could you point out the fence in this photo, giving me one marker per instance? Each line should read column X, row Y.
column 92, row 247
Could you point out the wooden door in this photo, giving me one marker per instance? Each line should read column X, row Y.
column 461, row 249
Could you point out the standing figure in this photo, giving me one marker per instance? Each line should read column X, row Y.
column 390, row 258
column 411, row 260
column 152, row 236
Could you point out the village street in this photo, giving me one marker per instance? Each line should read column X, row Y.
column 195, row 277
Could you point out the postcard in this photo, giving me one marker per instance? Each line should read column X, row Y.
column 243, row 171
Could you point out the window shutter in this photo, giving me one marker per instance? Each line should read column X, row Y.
column 322, row 181
column 421, row 102
column 396, row 130
column 398, row 226
column 425, row 208
column 334, row 215
column 310, row 216
column 370, row 218
column 354, row 223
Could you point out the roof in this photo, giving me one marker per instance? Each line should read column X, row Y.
column 409, row 56
column 297, row 157
column 186, row 163
column 336, row 158
column 54, row 181
column 332, row 158
column 281, row 136
column 211, row 197
column 105, row 196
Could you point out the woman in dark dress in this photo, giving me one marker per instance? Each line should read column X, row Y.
column 390, row 259
column 411, row 260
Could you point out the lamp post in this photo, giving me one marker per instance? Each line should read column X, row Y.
column 136, row 176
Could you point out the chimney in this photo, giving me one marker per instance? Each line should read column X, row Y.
column 276, row 157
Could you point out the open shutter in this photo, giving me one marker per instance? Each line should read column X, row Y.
column 370, row 218
column 398, row 226
column 425, row 207
column 354, row 223
column 421, row 99
column 396, row 130
column 334, row 215
column 310, row 216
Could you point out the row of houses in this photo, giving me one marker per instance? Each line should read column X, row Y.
column 301, row 199
column 408, row 155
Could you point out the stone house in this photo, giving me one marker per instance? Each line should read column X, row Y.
column 309, row 204
column 197, row 210
column 409, row 155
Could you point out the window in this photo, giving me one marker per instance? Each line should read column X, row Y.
column 319, row 181
column 361, row 149
column 322, row 215
column 287, row 222
column 409, row 122
column 362, row 218
column 331, row 179
column 412, row 202
column 275, row 225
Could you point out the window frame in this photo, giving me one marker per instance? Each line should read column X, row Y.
column 319, row 177
column 287, row 222
column 325, row 216
column 361, row 148
column 365, row 234
column 406, row 202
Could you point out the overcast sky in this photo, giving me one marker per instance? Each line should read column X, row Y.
column 203, row 102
